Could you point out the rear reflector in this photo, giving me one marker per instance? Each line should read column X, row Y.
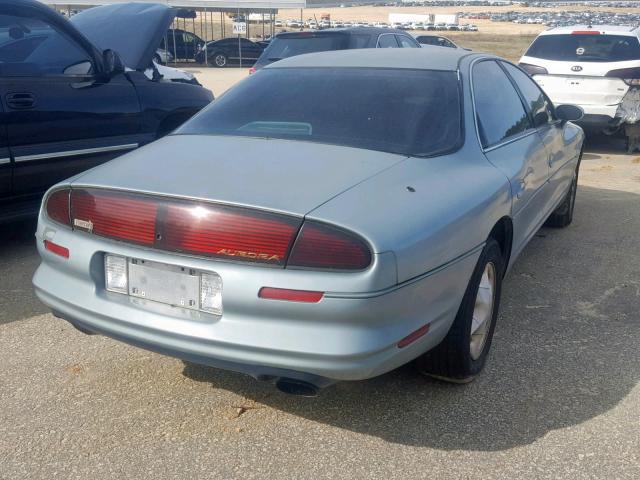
column 325, row 247
column 58, row 207
column 585, row 32
column 412, row 337
column 290, row 295
column 57, row 249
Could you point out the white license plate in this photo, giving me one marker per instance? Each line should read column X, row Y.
column 170, row 284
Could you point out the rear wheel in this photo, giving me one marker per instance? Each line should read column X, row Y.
column 463, row 352
column 220, row 60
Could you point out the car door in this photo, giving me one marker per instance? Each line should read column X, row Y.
column 562, row 162
column 6, row 166
column 61, row 117
column 250, row 50
column 513, row 145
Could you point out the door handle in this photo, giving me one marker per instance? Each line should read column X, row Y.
column 21, row 100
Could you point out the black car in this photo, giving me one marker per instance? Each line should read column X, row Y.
column 230, row 51
column 296, row 43
column 181, row 44
column 67, row 102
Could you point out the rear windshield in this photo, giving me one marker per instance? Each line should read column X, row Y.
column 585, row 48
column 290, row 45
column 411, row 112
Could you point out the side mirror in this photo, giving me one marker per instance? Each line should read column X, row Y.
column 569, row 113
column 112, row 63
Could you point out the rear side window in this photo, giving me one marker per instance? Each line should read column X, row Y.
column 387, row 41
column 406, row 42
column 410, row 112
column 541, row 110
column 585, row 48
column 497, row 120
column 291, row 45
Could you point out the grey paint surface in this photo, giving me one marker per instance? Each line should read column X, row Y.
column 425, row 242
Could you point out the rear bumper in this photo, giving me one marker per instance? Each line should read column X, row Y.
column 348, row 335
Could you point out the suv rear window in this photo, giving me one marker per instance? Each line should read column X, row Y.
column 585, row 48
column 291, row 45
column 418, row 114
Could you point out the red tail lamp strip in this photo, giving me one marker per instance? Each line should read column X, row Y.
column 585, row 32
column 305, row 296
column 115, row 215
column 229, row 232
column 58, row 207
column 322, row 246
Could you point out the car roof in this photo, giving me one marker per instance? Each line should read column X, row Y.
column 426, row 58
column 629, row 30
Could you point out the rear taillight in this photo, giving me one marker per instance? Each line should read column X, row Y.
column 630, row 76
column 57, row 207
column 208, row 229
column 229, row 232
column 252, row 70
column 117, row 215
column 533, row 69
column 325, row 247
column 585, row 32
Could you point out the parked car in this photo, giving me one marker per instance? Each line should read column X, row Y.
column 436, row 40
column 596, row 67
column 289, row 44
column 162, row 57
column 229, row 51
column 182, row 44
column 76, row 93
column 330, row 218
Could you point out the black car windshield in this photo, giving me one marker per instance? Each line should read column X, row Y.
column 585, row 48
column 410, row 112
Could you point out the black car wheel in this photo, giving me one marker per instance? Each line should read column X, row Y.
column 460, row 357
column 220, row 60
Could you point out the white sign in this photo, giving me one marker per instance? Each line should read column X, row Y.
column 239, row 28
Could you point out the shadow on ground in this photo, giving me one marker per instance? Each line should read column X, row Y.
column 565, row 348
column 18, row 262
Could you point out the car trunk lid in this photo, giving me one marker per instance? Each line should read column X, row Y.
column 279, row 175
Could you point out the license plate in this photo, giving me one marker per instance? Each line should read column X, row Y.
column 170, row 284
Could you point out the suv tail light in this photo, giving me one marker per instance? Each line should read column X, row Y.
column 630, row 76
column 533, row 69
column 208, row 229
column 57, row 206
column 252, row 70
column 325, row 247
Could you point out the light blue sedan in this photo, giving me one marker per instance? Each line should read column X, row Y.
column 332, row 217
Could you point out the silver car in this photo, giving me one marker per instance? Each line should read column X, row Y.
column 332, row 217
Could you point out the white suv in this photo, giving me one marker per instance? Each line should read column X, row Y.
column 596, row 67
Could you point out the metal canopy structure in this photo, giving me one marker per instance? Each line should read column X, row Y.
column 197, row 4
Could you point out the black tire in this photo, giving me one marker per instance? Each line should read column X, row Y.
column 219, row 60
column 562, row 216
column 452, row 359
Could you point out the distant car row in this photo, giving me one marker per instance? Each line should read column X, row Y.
column 314, row 25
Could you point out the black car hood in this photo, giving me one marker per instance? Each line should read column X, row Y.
column 134, row 30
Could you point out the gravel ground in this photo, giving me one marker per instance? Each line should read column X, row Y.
column 559, row 397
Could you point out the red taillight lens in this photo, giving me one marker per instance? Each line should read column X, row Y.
column 533, row 69
column 117, row 215
column 585, row 32
column 228, row 232
column 57, row 207
column 57, row 249
column 290, row 295
column 252, row 70
column 630, row 76
column 325, row 247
